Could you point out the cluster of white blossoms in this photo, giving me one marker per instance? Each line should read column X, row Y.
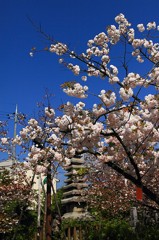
column 141, row 27
column 151, row 25
column 63, row 122
column 17, row 140
column 68, row 108
column 108, row 98
column 82, row 132
column 113, row 72
column 31, row 131
column 49, row 112
column 154, row 76
column 151, row 48
column 33, row 122
column 84, row 78
column 150, row 109
column 98, row 110
column 126, row 93
column 98, row 46
column 138, row 132
column 121, row 20
column 54, row 140
column 113, row 33
column 151, row 101
column 58, row 48
column 75, row 68
column 36, row 154
column 76, row 90
column 131, row 34
column 4, row 141
column 99, row 39
column 40, row 169
column 134, row 79
column 43, row 155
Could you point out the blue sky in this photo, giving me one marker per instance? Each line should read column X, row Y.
column 23, row 80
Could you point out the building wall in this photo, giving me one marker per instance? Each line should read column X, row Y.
column 39, row 180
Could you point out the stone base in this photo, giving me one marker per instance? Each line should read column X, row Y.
column 77, row 215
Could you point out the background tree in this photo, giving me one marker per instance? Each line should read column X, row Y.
column 109, row 194
column 16, row 199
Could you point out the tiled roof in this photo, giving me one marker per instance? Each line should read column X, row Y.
column 6, row 164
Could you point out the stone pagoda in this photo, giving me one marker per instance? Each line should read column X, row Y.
column 73, row 196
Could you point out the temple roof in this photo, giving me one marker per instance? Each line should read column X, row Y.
column 76, row 185
column 7, row 164
column 73, row 192
column 73, row 199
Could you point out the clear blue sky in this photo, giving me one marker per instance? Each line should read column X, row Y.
column 23, row 79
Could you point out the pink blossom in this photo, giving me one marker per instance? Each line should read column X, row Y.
column 49, row 112
column 141, row 27
column 4, row 140
column 125, row 93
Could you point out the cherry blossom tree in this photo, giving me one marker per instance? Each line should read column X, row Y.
column 121, row 129
column 16, row 196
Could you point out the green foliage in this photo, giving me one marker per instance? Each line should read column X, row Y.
column 56, row 201
column 102, row 226
column 26, row 227
column 118, row 230
column 115, row 229
column 82, row 171
column 95, row 230
column 147, row 233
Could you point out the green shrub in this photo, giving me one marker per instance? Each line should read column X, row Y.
column 115, row 229
column 103, row 230
column 147, row 232
column 118, row 230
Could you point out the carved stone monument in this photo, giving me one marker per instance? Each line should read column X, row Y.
column 74, row 197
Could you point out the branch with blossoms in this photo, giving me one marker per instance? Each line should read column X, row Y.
column 128, row 130
column 121, row 129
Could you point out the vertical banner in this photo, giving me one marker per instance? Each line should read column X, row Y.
column 139, row 193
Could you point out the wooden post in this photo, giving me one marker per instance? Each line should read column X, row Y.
column 80, row 233
column 48, row 230
column 74, row 234
column 69, row 234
